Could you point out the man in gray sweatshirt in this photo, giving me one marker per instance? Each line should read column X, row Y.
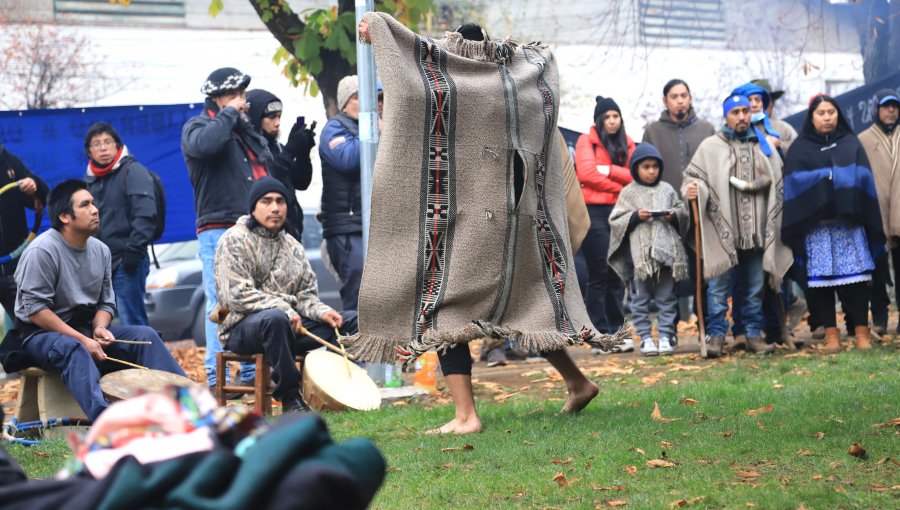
column 65, row 303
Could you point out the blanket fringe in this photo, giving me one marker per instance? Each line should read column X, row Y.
column 378, row 349
column 483, row 51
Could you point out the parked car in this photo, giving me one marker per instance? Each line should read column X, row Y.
column 176, row 304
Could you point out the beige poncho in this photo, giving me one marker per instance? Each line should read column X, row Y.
column 455, row 254
column 883, row 151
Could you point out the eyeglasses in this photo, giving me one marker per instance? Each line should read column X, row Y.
column 103, row 143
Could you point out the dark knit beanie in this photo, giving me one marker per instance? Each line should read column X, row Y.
column 604, row 104
column 265, row 185
column 643, row 151
column 224, row 80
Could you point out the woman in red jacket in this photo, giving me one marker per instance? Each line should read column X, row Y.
column 601, row 162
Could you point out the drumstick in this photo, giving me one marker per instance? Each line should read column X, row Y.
column 126, row 363
column 304, row 331
column 337, row 336
column 136, row 342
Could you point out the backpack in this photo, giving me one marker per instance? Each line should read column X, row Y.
column 160, row 192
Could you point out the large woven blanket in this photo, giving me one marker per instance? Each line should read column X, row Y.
column 457, row 251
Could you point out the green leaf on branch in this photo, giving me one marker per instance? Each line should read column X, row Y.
column 215, row 7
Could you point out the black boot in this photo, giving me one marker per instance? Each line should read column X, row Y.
column 294, row 405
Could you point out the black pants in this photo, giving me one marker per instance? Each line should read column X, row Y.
column 269, row 332
column 854, row 298
column 346, row 254
column 605, row 292
column 878, row 294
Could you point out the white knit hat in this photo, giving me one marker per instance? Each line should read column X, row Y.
column 347, row 88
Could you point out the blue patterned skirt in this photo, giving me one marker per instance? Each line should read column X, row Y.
column 837, row 253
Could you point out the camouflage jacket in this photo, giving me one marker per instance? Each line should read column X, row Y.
column 257, row 270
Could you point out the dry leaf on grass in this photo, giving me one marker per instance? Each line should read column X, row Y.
column 660, row 463
column 689, row 402
column 564, row 462
column 400, row 403
column 888, row 459
column 778, row 386
column 819, row 435
column 42, row 455
column 817, row 477
column 685, row 502
column 857, row 451
column 616, row 502
column 631, row 470
column 748, row 474
column 560, row 479
column 665, row 444
column 890, row 423
column 805, row 453
column 466, row 447
column 652, row 379
column 633, row 449
column 726, row 434
column 528, row 443
column 393, row 468
column 765, row 409
column 656, row 415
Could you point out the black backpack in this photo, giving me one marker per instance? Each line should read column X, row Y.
column 160, row 193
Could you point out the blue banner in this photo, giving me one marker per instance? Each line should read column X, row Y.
column 859, row 106
column 51, row 144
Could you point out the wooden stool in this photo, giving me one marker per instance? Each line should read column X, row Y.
column 260, row 390
column 42, row 395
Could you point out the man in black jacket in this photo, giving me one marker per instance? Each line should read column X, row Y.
column 13, row 223
column 224, row 156
column 265, row 114
column 126, row 197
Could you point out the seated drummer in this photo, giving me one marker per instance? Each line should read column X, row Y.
column 65, row 303
column 265, row 281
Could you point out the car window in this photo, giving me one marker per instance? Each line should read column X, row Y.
column 312, row 231
column 178, row 251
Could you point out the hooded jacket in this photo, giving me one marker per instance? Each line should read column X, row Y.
column 126, row 199
column 599, row 189
column 341, row 197
column 298, row 174
column 13, row 223
column 677, row 142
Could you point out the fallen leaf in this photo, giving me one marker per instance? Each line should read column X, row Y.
column 726, row 435
column 760, row 426
column 468, row 447
column 685, row 502
column 890, row 423
column 447, row 466
column 840, row 490
column 689, row 402
column 633, row 449
column 616, row 502
column 748, row 474
column 42, row 455
column 400, row 403
column 819, row 435
column 660, row 463
column 806, row 453
column 765, row 409
column 393, row 468
column 529, row 443
column 878, row 487
column 631, row 470
column 857, row 451
column 452, row 449
column 559, row 461
column 778, row 386
column 519, row 495
column 665, row 444
column 784, row 480
column 817, row 477
column 657, row 415
column 560, row 479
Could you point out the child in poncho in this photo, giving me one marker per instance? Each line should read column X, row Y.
column 645, row 244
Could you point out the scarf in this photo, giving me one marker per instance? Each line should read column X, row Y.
column 652, row 244
column 828, row 177
column 253, row 143
column 455, row 252
column 96, row 170
column 727, row 223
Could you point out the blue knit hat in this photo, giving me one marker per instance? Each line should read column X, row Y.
column 733, row 102
column 645, row 150
column 750, row 88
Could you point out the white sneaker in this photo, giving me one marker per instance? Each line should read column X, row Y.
column 665, row 348
column 626, row 346
column 648, row 348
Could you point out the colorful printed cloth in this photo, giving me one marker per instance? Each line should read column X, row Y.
column 837, row 254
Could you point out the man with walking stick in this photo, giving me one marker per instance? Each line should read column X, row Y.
column 738, row 194
column 65, row 303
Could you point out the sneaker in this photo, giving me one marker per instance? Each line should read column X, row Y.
column 648, row 348
column 665, row 348
column 714, row 346
column 496, row 357
column 757, row 345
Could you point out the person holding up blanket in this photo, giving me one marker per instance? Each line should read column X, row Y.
column 832, row 220
column 645, row 244
column 739, row 194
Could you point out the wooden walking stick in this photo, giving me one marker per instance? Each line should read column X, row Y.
column 698, row 294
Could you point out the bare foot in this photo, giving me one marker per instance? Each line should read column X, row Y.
column 457, row 426
column 580, row 397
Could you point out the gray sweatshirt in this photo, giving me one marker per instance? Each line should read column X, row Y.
column 53, row 274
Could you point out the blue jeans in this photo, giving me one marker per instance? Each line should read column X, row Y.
column 660, row 290
column 64, row 355
column 749, row 269
column 346, row 254
column 209, row 239
column 130, row 289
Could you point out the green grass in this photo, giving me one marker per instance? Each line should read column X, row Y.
column 511, row 462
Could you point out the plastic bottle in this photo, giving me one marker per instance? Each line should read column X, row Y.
column 376, row 372
column 426, row 371
column 393, row 377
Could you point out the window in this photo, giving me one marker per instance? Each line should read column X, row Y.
column 139, row 12
column 695, row 23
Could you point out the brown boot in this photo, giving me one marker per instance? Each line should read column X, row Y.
column 862, row 338
column 832, row 340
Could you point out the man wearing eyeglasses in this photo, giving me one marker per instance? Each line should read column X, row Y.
column 126, row 197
